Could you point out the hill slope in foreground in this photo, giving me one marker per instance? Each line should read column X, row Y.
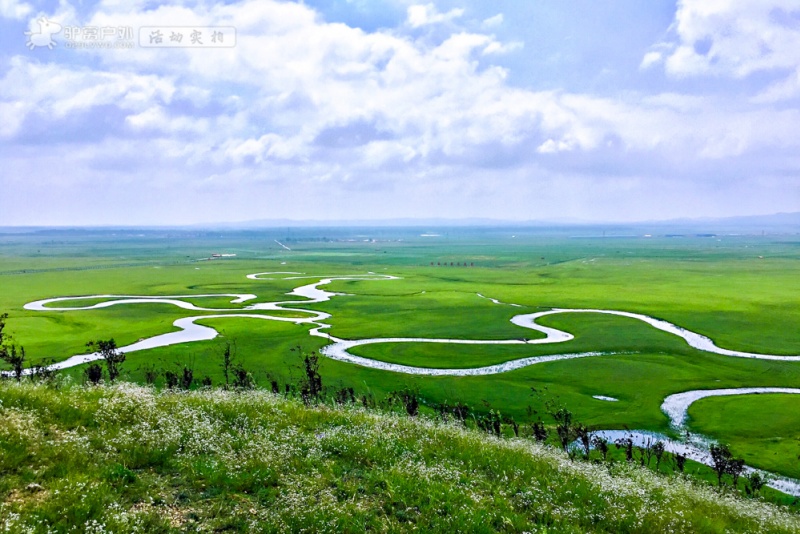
column 130, row 459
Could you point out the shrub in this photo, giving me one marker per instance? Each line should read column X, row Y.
column 242, row 379
column 187, row 378
column 114, row 358
column 9, row 353
column 754, row 482
column 539, row 431
column 407, row 398
column 93, row 373
column 601, row 444
column 171, row 379
column 311, row 382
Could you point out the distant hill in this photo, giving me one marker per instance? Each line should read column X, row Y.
column 783, row 222
column 789, row 222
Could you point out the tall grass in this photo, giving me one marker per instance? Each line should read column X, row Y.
column 127, row 458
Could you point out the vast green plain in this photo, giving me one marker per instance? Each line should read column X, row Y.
column 742, row 291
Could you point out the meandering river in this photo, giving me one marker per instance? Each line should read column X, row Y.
column 189, row 331
column 675, row 406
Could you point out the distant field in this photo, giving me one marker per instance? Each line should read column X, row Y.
column 741, row 291
column 762, row 429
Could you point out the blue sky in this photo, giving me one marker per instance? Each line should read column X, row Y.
column 356, row 109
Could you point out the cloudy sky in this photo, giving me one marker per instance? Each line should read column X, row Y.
column 359, row 109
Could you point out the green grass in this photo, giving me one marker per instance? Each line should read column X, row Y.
column 763, row 429
column 592, row 332
column 721, row 289
column 130, row 459
column 264, row 347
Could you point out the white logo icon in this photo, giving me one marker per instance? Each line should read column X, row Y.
column 44, row 37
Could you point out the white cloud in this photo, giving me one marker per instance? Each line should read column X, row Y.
column 733, row 37
column 13, row 114
column 782, row 90
column 53, row 92
column 267, row 147
column 156, row 119
column 650, row 59
column 301, row 102
column 423, row 15
column 293, row 77
column 677, row 101
column 493, row 22
column 552, row 146
column 497, row 47
column 12, row 9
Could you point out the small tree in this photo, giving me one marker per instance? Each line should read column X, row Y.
column 9, row 353
column 680, row 462
column 442, row 410
column 93, row 373
column 584, row 436
column 242, row 379
column 658, row 450
column 150, row 373
column 753, row 483
column 45, row 372
column 187, row 378
column 491, row 422
column 368, row 400
column 14, row 358
column 227, row 362
column 721, row 457
column 563, row 419
column 601, row 444
column 345, row 396
column 627, row 444
column 460, row 411
column 407, row 398
column 171, row 379
column 311, row 383
column 734, row 469
column 509, row 420
column 113, row 357
column 646, row 452
column 539, row 431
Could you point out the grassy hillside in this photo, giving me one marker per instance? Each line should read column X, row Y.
column 131, row 459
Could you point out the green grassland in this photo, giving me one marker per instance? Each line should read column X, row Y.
column 762, row 429
column 741, row 291
column 126, row 458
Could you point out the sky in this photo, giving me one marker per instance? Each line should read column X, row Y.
column 365, row 109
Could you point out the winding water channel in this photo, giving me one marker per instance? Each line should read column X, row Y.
column 674, row 406
column 338, row 349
